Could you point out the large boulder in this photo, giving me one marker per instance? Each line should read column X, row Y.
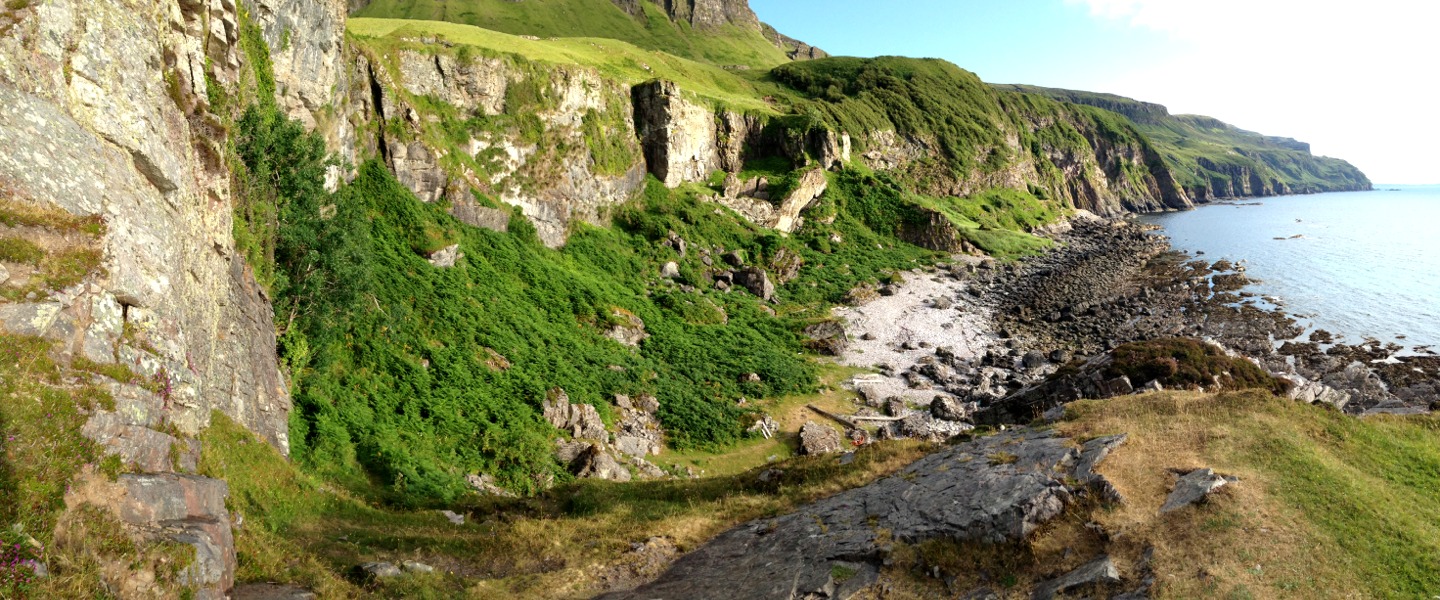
column 581, row 420
column 828, row 338
column 757, row 281
column 1193, row 487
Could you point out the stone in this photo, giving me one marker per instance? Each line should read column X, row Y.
column 766, row 427
column 670, row 270
column 629, row 330
column 185, row 509
column 1092, row 453
column 595, row 463
column 946, row 408
column 818, row 439
column 1111, row 388
column 1033, row 360
column 961, row 493
column 1193, row 487
column 485, row 484
column 1060, row 357
column 750, row 378
column 446, row 257
column 1101, row 571
column 4, row 275
column 379, row 570
column 454, row 517
column 806, row 191
column 411, row 566
column 145, row 449
column 581, row 420
column 942, row 302
column 828, row 338
column 757, row 281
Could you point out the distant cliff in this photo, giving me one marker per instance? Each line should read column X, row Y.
column 1213, row 159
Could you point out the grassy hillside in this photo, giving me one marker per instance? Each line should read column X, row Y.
column 1202, row 149
column 614, row 59
column 731, row 45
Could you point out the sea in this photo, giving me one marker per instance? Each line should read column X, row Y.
column 1362, row 265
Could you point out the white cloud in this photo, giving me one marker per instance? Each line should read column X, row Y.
column 1357, row 79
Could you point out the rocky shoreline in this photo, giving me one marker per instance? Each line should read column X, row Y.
column 962, row 343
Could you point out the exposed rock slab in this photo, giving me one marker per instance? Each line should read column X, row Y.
column 1101, row 571
column 1193, row 487
column 994, row 489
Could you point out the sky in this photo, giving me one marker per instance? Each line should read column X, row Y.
column 1358, row 80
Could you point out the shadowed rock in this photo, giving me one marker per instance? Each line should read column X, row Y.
column 995, row 489
column 1192, row 488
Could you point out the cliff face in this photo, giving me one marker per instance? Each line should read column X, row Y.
column 1211, row 159
column 105, row 111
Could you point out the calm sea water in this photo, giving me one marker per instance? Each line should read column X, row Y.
column 1367, row 264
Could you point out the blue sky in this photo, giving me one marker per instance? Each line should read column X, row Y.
column 1360, row 81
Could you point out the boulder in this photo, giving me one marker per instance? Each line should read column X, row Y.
column 581, row 420
column 411, row 566
column 1193, row 487
column 378, row 570
column 671, row 270
column 942, row 302
column 485, row 484
column 946, row 408
column 1101, row 571
column 447, row 256
column 757, row 281
column 818, row 439
column 595, row 463
column 1033, row 360
column 629, row 330
column 827, row 338
column 454, row 517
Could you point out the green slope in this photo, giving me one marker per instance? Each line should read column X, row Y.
column 652, row 30
column 1205, row 153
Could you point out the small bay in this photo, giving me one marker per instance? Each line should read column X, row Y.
column 1358, row 264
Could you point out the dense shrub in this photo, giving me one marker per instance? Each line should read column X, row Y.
column 1189, row 363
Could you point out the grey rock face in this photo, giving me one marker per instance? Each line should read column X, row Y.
column 631, row 330
column 757, row 281
column 188, row 510
column 994, row 489
column 596, row 463
column 678, row 136
column 1099, row 571
column 1193, row 487
column 819, row 439
column 827, row 338
column 946, row 408
column 380, row 570
column 446, row 257
column 581, row 420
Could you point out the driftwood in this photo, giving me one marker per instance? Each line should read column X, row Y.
column 850, row 420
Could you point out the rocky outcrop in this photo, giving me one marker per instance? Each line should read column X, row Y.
column 677, row 135
column 553, row 180
column 103, row 137
column 991, row 490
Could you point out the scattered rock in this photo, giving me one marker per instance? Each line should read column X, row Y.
column 671, row 270
column 946, row 408
column 757, row 281
column 454, row 517
column 1033, row 360
column 942, row 302
column 446, row 257
column 378, row 570
column 767, row 427
column 827, row 338
column 1193, row 487
column 411, row 566
column 630, row 330
column 581, row 420
column 485, row 484
column 596, row 463
column 819, row 439
column 1101, row 571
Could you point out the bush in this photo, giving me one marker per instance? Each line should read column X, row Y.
column 1189, row 363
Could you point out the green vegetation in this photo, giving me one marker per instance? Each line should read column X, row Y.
column 1350, row 506
column 614, row 59
column 301, row 530
column 1188, row 364
column 1202, row 152
column 652, row 30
